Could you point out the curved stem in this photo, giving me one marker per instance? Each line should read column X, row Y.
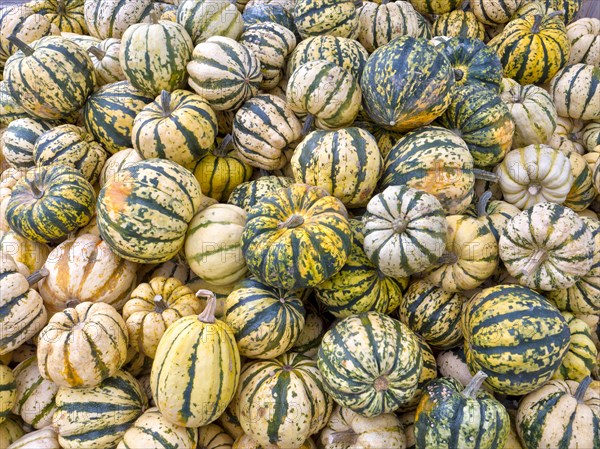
column 475, row 384
column 485, row 175
column 21, row 45
column 99, row 54
column 293, row 221
column 208, row 314
column 72, row 303
column 223, row 148
column 35, row 191
column 582, row 388
column 165, row 102
column 347, row 437
column 159, row 304
column 37, row 276
column 61, row 7
column 153, row 17
column 483, row 203
column 308, row 124
column 537, row 21
column 560, row 12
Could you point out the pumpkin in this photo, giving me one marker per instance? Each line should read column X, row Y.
column 575, row 90
column 247, row 194
column 207, row 18
column 257, row 13
column 582, row 193
column 27, row 252
column 515, row 336
column 10, row 110
column 109, row 113
column 41, row 439
column 99, row 416
column 495, row 214
column 560, row 413
column 428, row 373
column 370, row 363
column 224, row 72
column 213, row 436
column 458, row 23
column 34, row 400
column 570, row 7
column 73, row 146
column 494, row 12
column 535, row 174
column 567, row 136
column 116, row 163
column 331, row 17
column 580, row 360
column 151, row 429
column 230, row 423
column 8, row 391
column 452, row 416
column 584, row 35
column 309, row 340
column 19, row 138
column 67, row 15
column 143, row 215
column 297, row 237
column 179, row 126
column 105, row 57
column 547, row 247
column 193, row 345
column 49, row 202
column 406, row 84
column 70, row 77
column 435, row 6
column 110, row 18
column 290, row 391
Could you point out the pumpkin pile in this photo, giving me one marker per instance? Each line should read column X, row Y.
column 300, row 224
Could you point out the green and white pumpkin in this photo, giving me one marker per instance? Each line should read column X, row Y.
column 331, row 17
column 110, row 18
column 494, row 12
column 8, row 391
column 458, row 23
column 584, row 35
column 105, row 57
column 580, row 361
column 247, row 194
column 10, row 110
column 575, row 90
column 19, row 138
column 207, row 18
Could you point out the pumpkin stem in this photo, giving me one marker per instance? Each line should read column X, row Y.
column 346, row 438
column 72, row 303
column 98, row 53
column 582, row 388
column 208, row 314
column 458, row 74
column 485, row 175
column 223, row 148
column 153, row 17
column 537, row 21
column 165, row 102
column 560, row 12
column 37, row 276
column 538, row 258
column 475, row 384
column 448, row 258
column 483, row 203
column 308, row 124
column 159, row 304
column 61, row 7
column 358, row 3
column 35, row 191
column 293, row 221
column 21, row 45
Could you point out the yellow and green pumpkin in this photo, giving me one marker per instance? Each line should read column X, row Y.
column 582, row 193
column 575, row 90
column 30, row 253
column 19, row 138
column 580, row 360
column 494, row 12
column 10, row 110
column 105, row 57
column 117, row 162
column 331, row 17
column 214, row 436
column 67, row 15
column 11, row 430
column 247, row 194
column 435, row 6
column 458, row 23
column 207, row 18
column 8, row 392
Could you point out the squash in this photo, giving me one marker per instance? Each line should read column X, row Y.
column 584, row 35
column 179, row 126
column 575, row 90
column 453, row 363
column 263, row 128
column 580, row 360
column 515, row 336
column 450, row 416
column 560, row 413
column 570, row 7
column 494, row 12
column 49, row 202
column 27, row 252
column 309, row 340
column 10, row 110
column 266, row 321
column 207, row 18
column 105, row 57
column 332, row 17
column 428, row 373
column 99, row 416
column 82, row 346
column 370, row 363
column 10, row 431
column 110, row 18
column 547, row 247
column 190, row 346
column 230, row 423
column 297, row 237
column 582, row 193
column 109, row 113
column 259, row 13
column 290, row 392
column 136, row 363
column 224, row 72
column 151, row 429
column 435, row 6
column 495, row 214
column 35, row 396
column 533, row 113
column 19, row 138
column 73, row 146
column 39, row 439
column 67, row 15
column 212, row 436
column 69, row 78
column 8, row 392
column 567, row 136
column 458, row 23
column 406, row 84
column 535, row 174
column 116, row 163
column 247, row 194
column 143, row 215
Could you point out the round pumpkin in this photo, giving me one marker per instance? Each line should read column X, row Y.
column 458, row 23
column 45, row 438
column 23, row 251
column 495, row 214
column 435, row 6
column 117, row 162
column 10, row 110
column 590, row 135
column 580, row 360
column 105, row 57
column 8, row 391
column 19, row 138
column 584, row 35
column 213, row 436
column 110, row 18
column 494, row 12
column 247, row 194
column 207, row 18
column 67, row 15
column 332, row 17
column 575, row 90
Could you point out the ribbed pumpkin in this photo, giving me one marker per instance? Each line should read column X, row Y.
column 515, row 336
column 570, row 7
column 575, row 90
column 435, row 6
column 8, row 391
column 23, row 251
column 144, row 214
column 494, row 12
column 406, row 84
column 580, row 360
column 10, row 430
column 582, row 193
column 10, row 110
column 179, row 126
column 247, row 194
column 110, row 18
column 297, row 237
column 19, row 138
column 290, row 392
column 206, row 18
column 224, row 72
column 458, row 23
column 49, row 202
column 567, row 136
column 560, row 414
column 213, row 436
column 495, row 214
column 270, row 12
column 45, row 438
column 196, row 370
column 73, row 146
column 98, row 417
column 69, row 77
column 263, row 128
column 67, row 15
column 584, row 35
column 8, row 180
column 83, row 40
column 332, row 17
column 116, row 163
column 547, row 247
column 450, row 416
column 428, row 373
column 105, row 57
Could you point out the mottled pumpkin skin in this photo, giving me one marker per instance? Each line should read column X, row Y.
column 575, row 91
column 247, row 194
column 332, row 17
column 580, row 361
column 8, row 391
column 458, row 23
column 204, row 19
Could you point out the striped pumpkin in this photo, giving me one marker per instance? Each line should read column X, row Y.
column 66, row 69
column 266, row 321
column 10, row 431
column 435, row 6
column 428, row 373
column 143, row 215
column 263, row 128
column 49, row 202
column 67, row 15
column 229, row 421
column 309, row 340
column 105, row 57
column 406, row 84
column 73, row 146
column 570, row 7
column 515, row 336
column 347, row 163
column 297, row 237
column 494, row 12
column 179, row 126
column 432, row 313
column 82, row 346
column 110, row 18
column 495, row 214
column 567, row 136
column 8, row 180
column 575, row 90
column 213, row 436
column 582, row 193
column 23, row 251
column 40, row 439
column 109, row 113
column 153, row 430
column 458, row 23
column 533, row 113
column 117, row 162
column 83, row 40
column 580, row 360
column 204, row 19
column 196, row 370
column 8, row 392
column 18, row 140
column 332, row 17
column 22, row 312
column 247, row 194
column 10, row 110
column 370, row 363
column 224, row 72
column 98, row 417
column 584, row 35
column 290, row 391
column 435, row 160
column 262, row 12
column 483, row 121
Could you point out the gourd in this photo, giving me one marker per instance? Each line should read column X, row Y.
column 207, row 18
column 247, row 194
column 45, row 438
column 10, row 110
column 19, row 138
column 8, row 180
column 117, row 162
column 213, row 436
column 584, row 35
column 428, row 373
column 8, row 392
column 567, row 136
column 435, row 6
column 590, row 135
column 10, row 431
column 110, row 18
column 105, row 57
column 458, row 23
column 265, row 12
column 580, row 360
column 331, row 17
column 494, row 12
column 582, row 193
column 27, row 252
column 495, row 214
column 575, row 90
column 67, row 15
column 453, row 363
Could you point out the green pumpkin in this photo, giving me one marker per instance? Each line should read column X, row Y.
column 106, row 19
column 10, row 110
column 331, row 17
column 247, row 194
column 580, row 361
column 575, row 89
column 18, row 140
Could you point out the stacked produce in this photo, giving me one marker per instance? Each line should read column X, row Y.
column 299, row 224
